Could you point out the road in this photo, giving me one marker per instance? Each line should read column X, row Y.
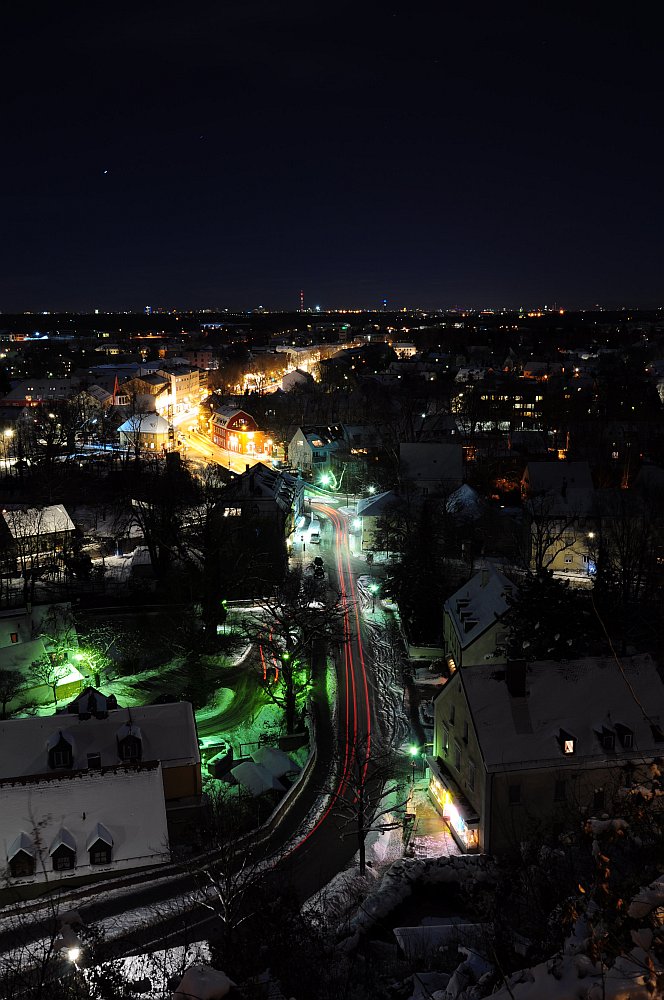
column 322, row 852
column 314, row 857
column 197, row 442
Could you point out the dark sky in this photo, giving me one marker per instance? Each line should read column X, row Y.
column 230, row 153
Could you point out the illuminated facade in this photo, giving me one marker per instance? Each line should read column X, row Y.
column 525, row 751
column 236, row 430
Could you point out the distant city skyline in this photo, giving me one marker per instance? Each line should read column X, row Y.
column 238, row 153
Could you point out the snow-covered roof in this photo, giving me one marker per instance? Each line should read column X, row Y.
column 144, row 423
column 127, row 804
column 168, row 734
column 129, row 729
column 23, row 843
column 38, row 521
column 466, row 503
column 256, row 778
column 582, row 698
column 63, row 838
column 99, row 833
column 376, row 505
column 276, row 761
column 479, row 603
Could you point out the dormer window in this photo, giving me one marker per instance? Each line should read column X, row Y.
column 60, row 752
column 607, row 738
column 21, row 857
column 567, row 743
column 625, row 736
column 100, row 846
column 130, row 743
column 63, row 851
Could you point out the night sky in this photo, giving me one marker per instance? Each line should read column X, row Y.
column 228, row 154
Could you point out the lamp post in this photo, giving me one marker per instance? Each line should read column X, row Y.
column 373, row 589
column 414, row 754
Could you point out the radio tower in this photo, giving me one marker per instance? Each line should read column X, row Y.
column 301, row 300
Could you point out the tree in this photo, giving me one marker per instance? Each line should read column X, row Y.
column 11, row 682
column 46, row 671
column 624, row 548
column 549, row 620
column 553, row 530
column 58, row 629
column 286, row 628
column 233, row 869
column 365, row 802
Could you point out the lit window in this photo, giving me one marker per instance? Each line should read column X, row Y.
column 568, row 746
column 13, row 636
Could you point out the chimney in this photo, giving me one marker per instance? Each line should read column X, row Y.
column 515, row 675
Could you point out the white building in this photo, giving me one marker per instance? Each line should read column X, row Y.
column 91, row 776
column 77, row 823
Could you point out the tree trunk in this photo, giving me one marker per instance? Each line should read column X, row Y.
column 361, row 832
column 290, row 706
column 55, row 696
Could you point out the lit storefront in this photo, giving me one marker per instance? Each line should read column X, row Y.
column 451, row 803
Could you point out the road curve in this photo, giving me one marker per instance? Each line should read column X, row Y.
column 321, row 852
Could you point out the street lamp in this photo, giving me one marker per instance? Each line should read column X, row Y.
column 373, row 590
column 414, row 754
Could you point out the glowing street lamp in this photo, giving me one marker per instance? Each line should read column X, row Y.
column 373, row 590
column 414, row 754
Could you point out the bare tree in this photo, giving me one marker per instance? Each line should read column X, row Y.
column 368, row 795
column 286, row 628
column 230, row 873
column 552, row 531
column 11, row 682
column 47, row 671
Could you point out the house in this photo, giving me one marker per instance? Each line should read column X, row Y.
column 528, row 749
column 32, row 536
column 32, row 392
column 235, row 430
column 311, row 448
column 369, row 512
column 431, row 467
column 472, row 626
column 255, row 519
column 22, row 642
column 559, row 502
column 404, row 349
column 85, row 822
column 95, row 787
column 144, row 432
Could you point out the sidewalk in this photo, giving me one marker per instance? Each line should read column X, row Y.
column 430, row 836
